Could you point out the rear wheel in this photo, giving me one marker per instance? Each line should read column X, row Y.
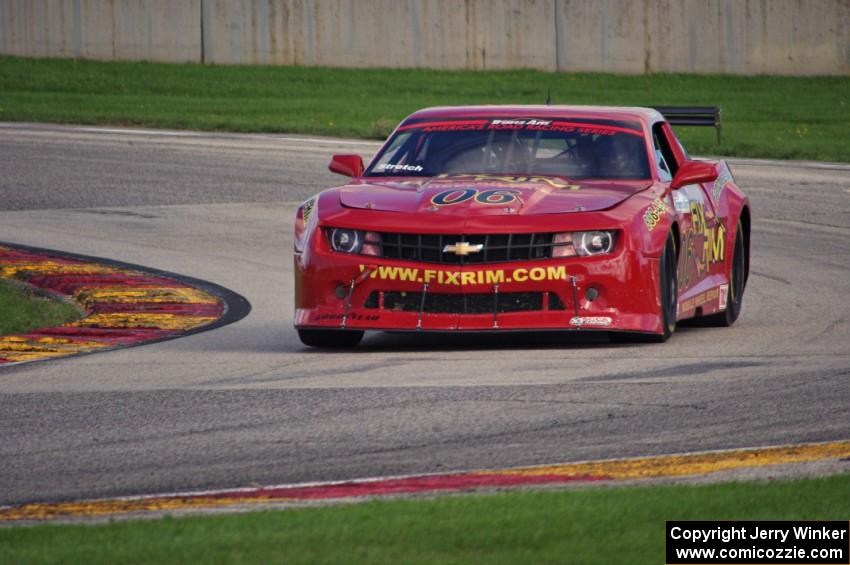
column 332, row 339
column 737, row 280
column 669, row 292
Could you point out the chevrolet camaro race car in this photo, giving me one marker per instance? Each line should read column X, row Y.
column 507, row 218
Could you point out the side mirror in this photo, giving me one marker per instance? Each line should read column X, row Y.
column 694, row 172
column 348, row 165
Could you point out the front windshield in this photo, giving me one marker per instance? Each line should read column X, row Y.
column 577, row 149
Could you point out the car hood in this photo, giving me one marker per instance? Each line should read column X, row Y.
column 470, row 195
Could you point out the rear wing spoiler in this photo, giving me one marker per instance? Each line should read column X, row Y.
column 707, row 116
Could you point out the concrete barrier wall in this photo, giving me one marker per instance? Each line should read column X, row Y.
column 156, row 30
column 448, row 34
column 800, row 37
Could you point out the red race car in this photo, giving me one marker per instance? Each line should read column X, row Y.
column 519, row 218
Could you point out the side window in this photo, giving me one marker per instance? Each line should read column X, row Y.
column 663, row 169
column 665, row 158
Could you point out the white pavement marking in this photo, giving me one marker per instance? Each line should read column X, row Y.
column 187, row 134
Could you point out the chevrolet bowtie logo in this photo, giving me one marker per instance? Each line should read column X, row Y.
column 463, row 248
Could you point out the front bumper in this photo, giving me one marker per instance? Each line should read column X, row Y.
column 337, row 290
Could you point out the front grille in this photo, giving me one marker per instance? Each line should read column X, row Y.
column 481, row 303
column 428, row 248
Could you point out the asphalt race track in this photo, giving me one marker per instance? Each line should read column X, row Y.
column 248, row 404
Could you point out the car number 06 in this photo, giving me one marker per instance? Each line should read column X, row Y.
column 497, row 197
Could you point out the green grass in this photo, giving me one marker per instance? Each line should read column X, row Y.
column 763, row 116
column 21, row 310
column 600, row 525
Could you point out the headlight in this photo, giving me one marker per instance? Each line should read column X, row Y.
column 593, row 242
column 583, row 243
column 346, row 241
column 355, row 241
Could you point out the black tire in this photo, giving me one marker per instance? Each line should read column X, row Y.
column 333, row 339
column 669, row 290
column 737, row 284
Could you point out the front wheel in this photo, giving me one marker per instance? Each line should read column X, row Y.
column 669, row 289
column 331, row 339
column 669, row 292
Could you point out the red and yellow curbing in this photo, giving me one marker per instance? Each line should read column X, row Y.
column 123, row 306
column 610, row 470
